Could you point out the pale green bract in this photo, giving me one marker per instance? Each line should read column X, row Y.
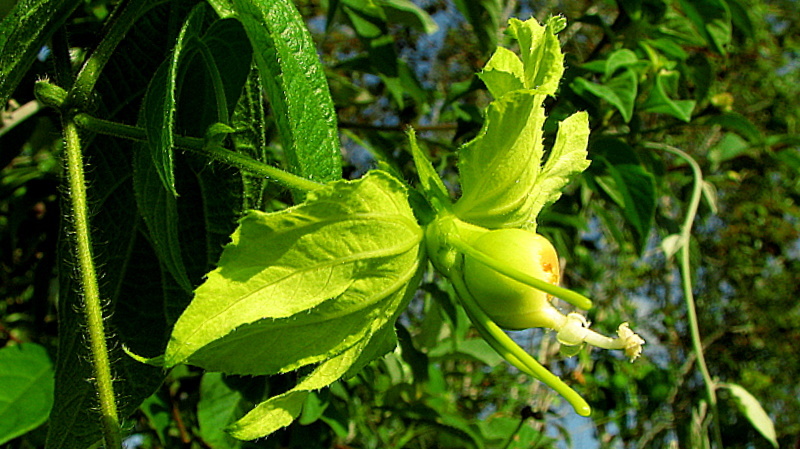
column 503, row 181
column 305, row 284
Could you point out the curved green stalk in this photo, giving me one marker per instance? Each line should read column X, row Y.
column 686, row 280
column 574, row 298
column 92, row 308
column 198, row 145
column 512, row 352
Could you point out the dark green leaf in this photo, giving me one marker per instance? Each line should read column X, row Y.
column 209, row 73
column 212, row 80
column 160, row 100
column 620, row 91
column 733, row 121
column 23, row 32
column 407, row 13
column 630, row 185
column 296, row 86
column 484, row 16
column 712, row 19
column 154, row 177
column 26, row 389
column 666, row 83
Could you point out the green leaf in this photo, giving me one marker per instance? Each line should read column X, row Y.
column 301, row 285
column 484, row 17
column 159, row 416
column 712, row 19
column 753, row 411
column 508, row 433
column 407, row 13
column 296, row 86
column 159, row 103
column 666, row 83
column 729, row 147
column 26, row 389
column 630, row 185
column 279, row 411
column 219, row 406
column 619, row 59
column 23, row 32
column 249, row 119
column 367, row 17
column 473, row 349
column 620, row 91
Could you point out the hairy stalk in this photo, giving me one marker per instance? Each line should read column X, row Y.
column 90, row 290
column 686, row 280
column 200, row 146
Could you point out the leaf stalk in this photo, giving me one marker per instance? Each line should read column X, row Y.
column 201, row 146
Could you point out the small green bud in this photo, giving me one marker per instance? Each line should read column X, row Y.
column 49, row 94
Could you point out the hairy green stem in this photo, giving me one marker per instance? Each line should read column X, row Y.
column 200, row 146
column 90, row 289
column 686, row 280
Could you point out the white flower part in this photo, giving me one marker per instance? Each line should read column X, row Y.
column 574, row 330
column 633, row 343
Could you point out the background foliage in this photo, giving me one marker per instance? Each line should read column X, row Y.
column 716, row 78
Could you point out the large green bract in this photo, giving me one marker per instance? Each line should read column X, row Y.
column 503, row 180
